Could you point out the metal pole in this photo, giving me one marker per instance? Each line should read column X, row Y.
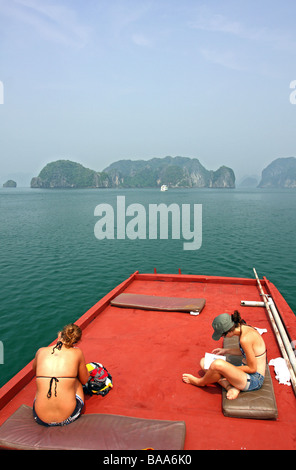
column 252, row 303
column 283, row 333
column 277, row 333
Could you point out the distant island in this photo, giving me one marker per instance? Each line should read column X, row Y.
column 10, row 184
column 67, row 174
column 175, row 172
column 249, row 182
column 281, row 173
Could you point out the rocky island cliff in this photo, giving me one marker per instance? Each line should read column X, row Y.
column 10, row 184
column 281, row 173
column 67, row 174
column 175, row 172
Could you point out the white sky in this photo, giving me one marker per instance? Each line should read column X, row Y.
column 95, row 81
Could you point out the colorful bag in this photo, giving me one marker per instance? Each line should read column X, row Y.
column 99, row 382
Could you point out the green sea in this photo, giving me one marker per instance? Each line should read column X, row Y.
column 53, row 267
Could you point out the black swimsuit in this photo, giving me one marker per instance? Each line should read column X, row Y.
column 58, row 346
column 244, row 354
column 79, row 402
column 241, row 348
column 56, row 379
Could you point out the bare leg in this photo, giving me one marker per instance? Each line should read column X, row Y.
column 190, row 379
column 210, row 377
column 236, row 378
column 219, row 370
column 232, row 392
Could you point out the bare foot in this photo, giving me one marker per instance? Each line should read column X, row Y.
column 190, row 379
column 232, row 393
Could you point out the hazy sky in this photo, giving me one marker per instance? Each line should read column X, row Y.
column 95, row 81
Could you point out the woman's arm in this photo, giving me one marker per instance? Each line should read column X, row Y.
column 251, row 366
column 83, row 373
column 224, row 351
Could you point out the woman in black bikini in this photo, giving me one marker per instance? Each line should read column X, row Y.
column 246, row 377
column 60, row 374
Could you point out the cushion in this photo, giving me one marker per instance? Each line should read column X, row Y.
column 91, row 432
column 154, row 302
column 258, row 404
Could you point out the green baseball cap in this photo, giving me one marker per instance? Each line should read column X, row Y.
column 221, row 324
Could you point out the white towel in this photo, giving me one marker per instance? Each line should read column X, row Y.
column 261, row 330
column 281, row 370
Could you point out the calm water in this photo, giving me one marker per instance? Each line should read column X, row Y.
column 53, row 268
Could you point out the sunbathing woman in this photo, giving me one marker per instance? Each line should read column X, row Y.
column 60, row 373
column 250, row 374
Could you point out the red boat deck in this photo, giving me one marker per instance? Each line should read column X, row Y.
column 146, row 353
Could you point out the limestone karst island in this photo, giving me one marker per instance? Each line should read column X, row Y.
column 175, row 172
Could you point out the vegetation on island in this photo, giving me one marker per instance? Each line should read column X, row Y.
column 67, row 174
column 177, row 172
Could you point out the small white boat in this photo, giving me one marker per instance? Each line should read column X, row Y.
column 164, row 187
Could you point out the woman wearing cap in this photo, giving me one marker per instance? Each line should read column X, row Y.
column 246, row 377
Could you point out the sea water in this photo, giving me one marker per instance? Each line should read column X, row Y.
column 53, row 267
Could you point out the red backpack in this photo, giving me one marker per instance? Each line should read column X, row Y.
column 99, row 382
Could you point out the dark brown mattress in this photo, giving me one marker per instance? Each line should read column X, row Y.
column 259, row 404
column 91, row 432
column 154, row 302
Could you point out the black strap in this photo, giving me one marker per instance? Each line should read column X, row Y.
column 50, row 386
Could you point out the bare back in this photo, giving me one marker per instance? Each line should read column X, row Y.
column 251, row 337
column 59, row 376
